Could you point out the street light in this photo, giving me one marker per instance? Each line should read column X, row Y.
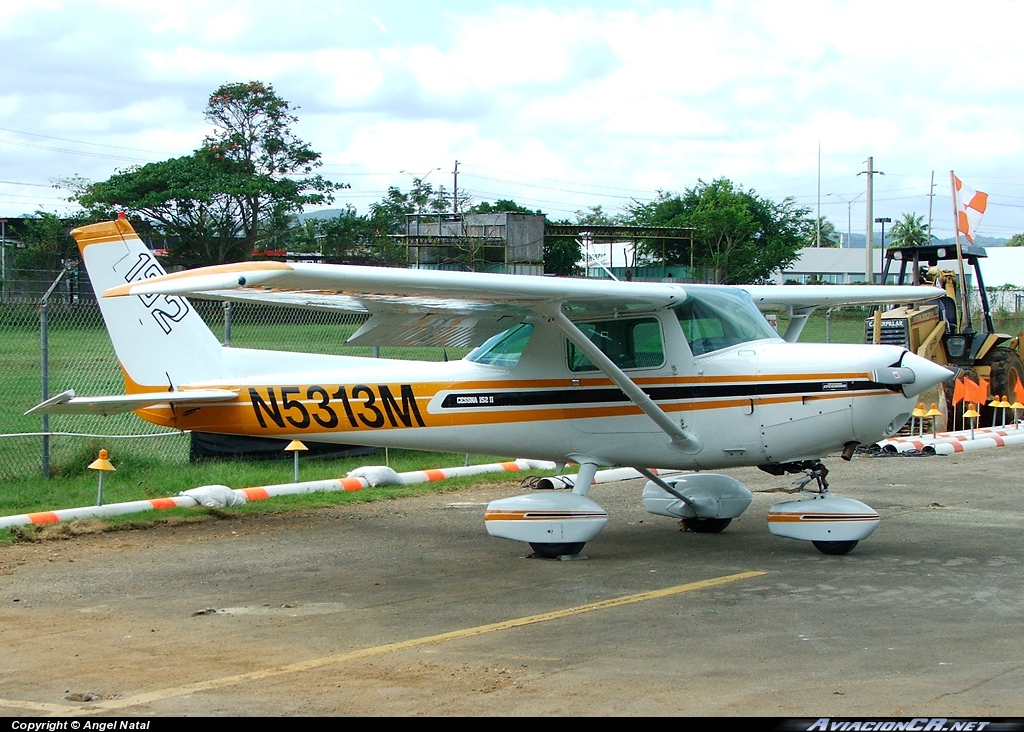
column 849, row 208
column 421, row 203
column 883, row 220
column 420, row 178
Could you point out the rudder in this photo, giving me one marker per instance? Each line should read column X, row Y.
column 160, row 340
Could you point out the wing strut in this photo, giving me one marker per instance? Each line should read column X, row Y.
column 682, row 439
column 799, row 316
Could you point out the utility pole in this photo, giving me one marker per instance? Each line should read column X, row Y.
column 931, row 199
column 455, row 189
column 819, row 196
column 869, row 240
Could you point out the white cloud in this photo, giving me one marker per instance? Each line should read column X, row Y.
column 645, row 96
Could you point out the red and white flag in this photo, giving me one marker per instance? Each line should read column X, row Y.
column 970, row 206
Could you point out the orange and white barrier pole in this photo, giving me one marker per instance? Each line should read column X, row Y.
column 903, row 444
column 981, row 443
column 263, row 492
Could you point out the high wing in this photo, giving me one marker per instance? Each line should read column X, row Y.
column 444, row 308
column 410, row 307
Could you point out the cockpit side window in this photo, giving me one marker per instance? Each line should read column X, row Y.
column 716, row 319
column 630, row 344
column 503, row 349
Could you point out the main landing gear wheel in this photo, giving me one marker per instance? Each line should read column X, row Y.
column 835, row 548
column 554, row 551
column 706, row 525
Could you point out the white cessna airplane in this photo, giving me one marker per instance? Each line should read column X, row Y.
column 595, row 372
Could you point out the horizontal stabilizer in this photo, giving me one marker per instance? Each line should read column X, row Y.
column 67, row 403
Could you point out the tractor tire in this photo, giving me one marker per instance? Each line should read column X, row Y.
column 1007, row 379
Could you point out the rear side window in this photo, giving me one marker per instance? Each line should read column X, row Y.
column 630, row 344
column 503, row 349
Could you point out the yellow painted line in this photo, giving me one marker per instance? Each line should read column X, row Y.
column 39, row 706
column 316, row 663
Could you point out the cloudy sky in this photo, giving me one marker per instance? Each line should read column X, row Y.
column 557, row 105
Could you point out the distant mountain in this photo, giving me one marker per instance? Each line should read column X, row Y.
column 327, row 213
column 857, row 241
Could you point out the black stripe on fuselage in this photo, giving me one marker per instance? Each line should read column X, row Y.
column 611, row 395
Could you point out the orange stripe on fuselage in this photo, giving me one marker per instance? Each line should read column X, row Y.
column 285, row 410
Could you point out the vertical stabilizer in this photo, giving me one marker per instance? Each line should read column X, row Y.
column 160, row 340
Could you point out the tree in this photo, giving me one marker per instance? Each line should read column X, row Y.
column 258, row 150
column 910, row 231
column 214, row 204
column 47, row 244
column 738, row 234
column 354, row 239
column 390, row 211
column 187, row 197
column 595, row 216
column 829, row 235
column 562, row 256
column 1017, row 240
column 502, row 205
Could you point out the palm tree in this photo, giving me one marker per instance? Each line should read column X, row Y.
column 829, row 236
column 910, row 231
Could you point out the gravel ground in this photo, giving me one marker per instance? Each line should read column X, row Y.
column 407, row 607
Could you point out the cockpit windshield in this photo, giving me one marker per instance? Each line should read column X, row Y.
column 716, row 318
column 503, row 349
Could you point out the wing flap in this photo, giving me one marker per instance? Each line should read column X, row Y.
column 67, row 403
column 430, row 329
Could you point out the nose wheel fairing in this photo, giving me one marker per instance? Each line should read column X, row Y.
column 834, row 525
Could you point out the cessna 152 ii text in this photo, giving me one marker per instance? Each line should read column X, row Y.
column 598, row 373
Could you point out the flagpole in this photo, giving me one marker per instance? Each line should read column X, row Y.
column 966, row 326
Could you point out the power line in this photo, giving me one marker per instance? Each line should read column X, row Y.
column 19, row 183
column 74, row 152
column 80, row 142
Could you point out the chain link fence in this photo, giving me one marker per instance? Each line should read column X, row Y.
column 52, row 331
column 60, row 338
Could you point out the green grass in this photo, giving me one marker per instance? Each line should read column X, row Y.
column 81, row 357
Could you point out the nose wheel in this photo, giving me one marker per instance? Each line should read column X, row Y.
column 835, row 548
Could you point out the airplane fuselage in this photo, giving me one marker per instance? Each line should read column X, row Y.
column 754, row 403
